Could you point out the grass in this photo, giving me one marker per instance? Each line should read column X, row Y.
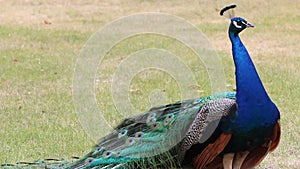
column 37, row 62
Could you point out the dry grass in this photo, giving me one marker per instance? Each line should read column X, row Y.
column 37, row 59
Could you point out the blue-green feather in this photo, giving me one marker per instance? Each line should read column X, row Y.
column 144, row 143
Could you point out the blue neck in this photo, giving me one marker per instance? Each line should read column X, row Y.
column 250, row 90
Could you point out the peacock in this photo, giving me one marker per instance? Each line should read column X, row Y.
column 229, row 130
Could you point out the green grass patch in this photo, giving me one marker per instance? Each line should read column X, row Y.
column 37, row 116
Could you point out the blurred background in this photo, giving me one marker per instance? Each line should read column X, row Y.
column 41, row 40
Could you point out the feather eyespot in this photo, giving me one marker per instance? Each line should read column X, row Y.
column 139, row 135
column 152, row 115
column 166, row 122
column 107, row 154
column 117, row 154
column 98, row 150
column 156, row 126
column 130, row 141
column 150, row 120
column 122, row 133
column 88, row 161
column 169, row 119
column 170, row 116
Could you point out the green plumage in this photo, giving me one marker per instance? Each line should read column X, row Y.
column 44, row 164
column 158, row 138
column 150, row 140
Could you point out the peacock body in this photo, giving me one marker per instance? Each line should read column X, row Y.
column 160, row 137
column 230, row 130
column 227, row 130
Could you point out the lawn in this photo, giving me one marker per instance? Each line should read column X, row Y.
column 40, row 42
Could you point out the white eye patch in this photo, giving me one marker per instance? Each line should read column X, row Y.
column 236, row 25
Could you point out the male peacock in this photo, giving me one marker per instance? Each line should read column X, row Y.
column 226, row 130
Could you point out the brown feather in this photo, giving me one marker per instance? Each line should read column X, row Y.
column 211, row 151
column 217, row 163
column 259, row 153
column 276, row 136
column 256, row 156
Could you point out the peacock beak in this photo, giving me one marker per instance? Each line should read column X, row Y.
column 249, row 25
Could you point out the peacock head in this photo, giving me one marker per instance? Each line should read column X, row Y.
column 238, row 24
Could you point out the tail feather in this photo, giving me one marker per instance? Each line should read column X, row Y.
column 151, row 140
column 45, row 164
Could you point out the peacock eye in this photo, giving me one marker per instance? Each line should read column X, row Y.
column 107, row 154
column 89, row 161
column 152, row 115
column 237, row 24
column 150, row 120
column 130, row 141
column 156, row 126
column 139, row 134
column 122, row 133
column 169, row 119
column 117, row 154
column 99, row 150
